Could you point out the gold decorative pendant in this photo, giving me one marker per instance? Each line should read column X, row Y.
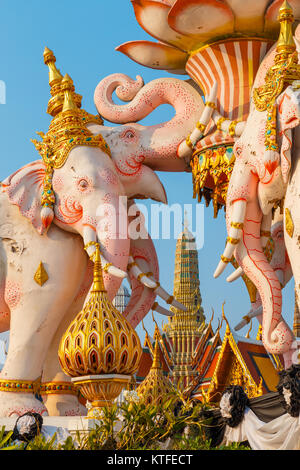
column 289, row 224
column 41, row 275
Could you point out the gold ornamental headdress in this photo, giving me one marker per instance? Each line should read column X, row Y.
column 66, row 131
column 286, row 68
column 282, row 74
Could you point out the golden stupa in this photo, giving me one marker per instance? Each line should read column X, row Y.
column 100, row 349
column 155, row 387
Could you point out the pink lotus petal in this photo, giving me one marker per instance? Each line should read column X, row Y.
column 154, row 55
column 202, row 19
column 272, row 23
column 249, row 15
column 153, row 18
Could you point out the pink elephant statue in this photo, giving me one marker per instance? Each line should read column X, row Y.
column 265, row 150
column 53, row 208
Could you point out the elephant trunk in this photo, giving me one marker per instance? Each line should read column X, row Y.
column 114, row 245
column 160, row 141
column 277, row 336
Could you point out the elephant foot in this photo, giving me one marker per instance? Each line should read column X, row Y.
column 63, row 405
column 16, row 404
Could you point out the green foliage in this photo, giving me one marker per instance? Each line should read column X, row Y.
column 5, row 440
column 174, row 424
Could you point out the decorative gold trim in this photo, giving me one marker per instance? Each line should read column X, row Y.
column 238, row 225
column 220, row 122
column 265, row 233
column 201, row 127
column 210, row 104
column 41, row 275
column 189, row 142
column 106, row 267
column 233, row 241
column 22, row 386
column 231, row 128
column 57, row 388
column 130, row 265
column 226, row 260
column 289, row 224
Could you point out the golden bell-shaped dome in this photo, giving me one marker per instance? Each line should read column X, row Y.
column 99, row 340
column 155, row 387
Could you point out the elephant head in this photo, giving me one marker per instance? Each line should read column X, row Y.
column 259, row 181
column 160, row 147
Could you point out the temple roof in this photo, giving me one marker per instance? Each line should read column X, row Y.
column 237, row 360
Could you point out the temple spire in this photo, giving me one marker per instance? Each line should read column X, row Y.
column 184, row 329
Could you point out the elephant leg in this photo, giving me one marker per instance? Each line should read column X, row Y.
column 37, row 310
column 57, row 402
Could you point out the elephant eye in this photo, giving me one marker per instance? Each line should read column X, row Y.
column 129, row 134
column 83, row 184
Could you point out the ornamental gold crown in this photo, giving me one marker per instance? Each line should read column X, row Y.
column 68, row 127
column 286, row 69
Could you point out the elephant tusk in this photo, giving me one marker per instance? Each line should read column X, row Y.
column 235, row 275
column 247, row 318
column 238, row 216
column 234, row 128
column 280, row 275
column 163, row 311
column 186, row 147
column 90, row 240
column 145, row 279
column 138, row 274
column 169, row 299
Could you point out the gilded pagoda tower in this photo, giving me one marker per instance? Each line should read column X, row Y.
column 185, row 327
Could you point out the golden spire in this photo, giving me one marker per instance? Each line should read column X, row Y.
column 286, row 41
column 156, row 360
column 55, row 76
column 67, row 86
column 98, row 284
column 56, row 101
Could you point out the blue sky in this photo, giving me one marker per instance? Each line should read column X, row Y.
column 83, row 36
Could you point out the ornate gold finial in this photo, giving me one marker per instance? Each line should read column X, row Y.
column 67, row 86
column 286, row 41
column 54, row 74
column 285, row 69
column 98, row 284
column 55, row 104
column 41, row 275
column 156, row 360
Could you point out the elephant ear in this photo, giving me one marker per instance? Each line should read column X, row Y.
column 289, row 118
column 24, row 189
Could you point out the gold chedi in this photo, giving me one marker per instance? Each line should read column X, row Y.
column 100, row 350
column 155, row 387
